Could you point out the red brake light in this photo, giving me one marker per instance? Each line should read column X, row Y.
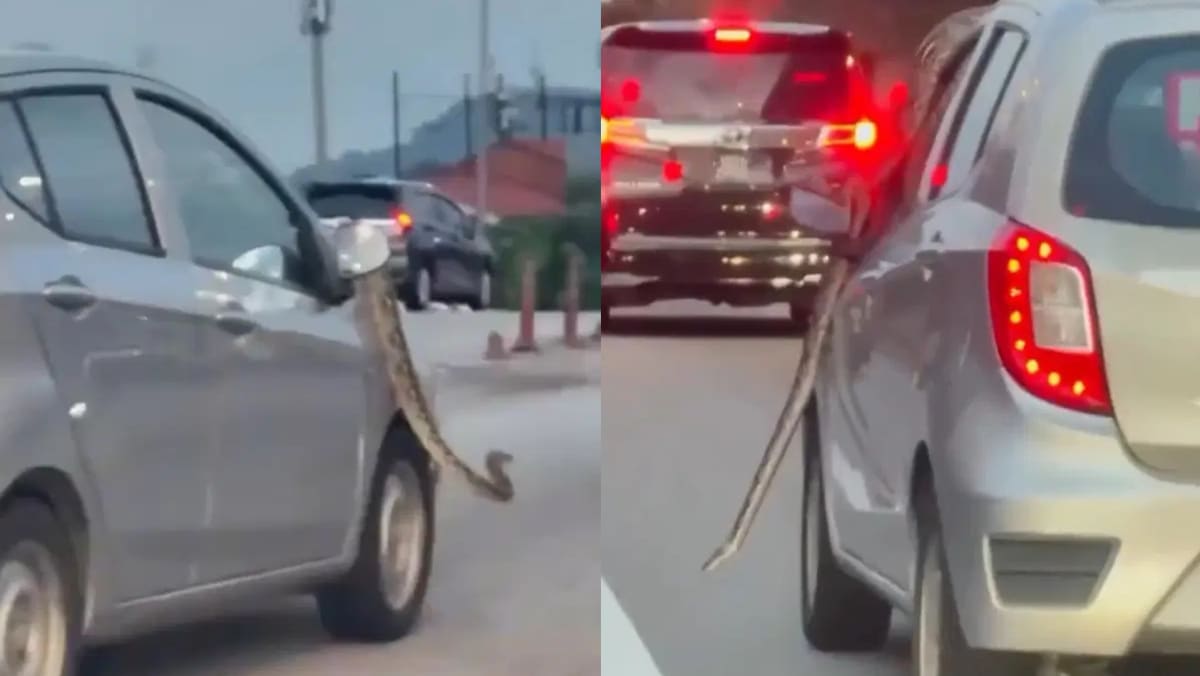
column 603, row 129
column 1044, row 319
column 771, row 210
column 672, row 171
column 732, row 35
column 863, row 135
column 403, row 221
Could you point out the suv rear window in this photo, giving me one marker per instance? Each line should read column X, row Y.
column 352, row 200
column 1135, row 152
column 680, row 76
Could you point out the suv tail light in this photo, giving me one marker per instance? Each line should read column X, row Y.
column 732, row 35
column 403, row 222
column 862, row 135
column 1044, row 319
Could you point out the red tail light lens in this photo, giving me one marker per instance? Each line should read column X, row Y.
column 1044, row 319
column 672, row 171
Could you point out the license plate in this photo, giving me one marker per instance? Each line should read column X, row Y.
column 733, row 169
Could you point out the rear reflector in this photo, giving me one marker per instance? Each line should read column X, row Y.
column 1044, row 319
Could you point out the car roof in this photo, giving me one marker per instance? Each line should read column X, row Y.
column 21, row 62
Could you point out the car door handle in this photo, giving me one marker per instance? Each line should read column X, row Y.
column 232, row 318
column 69, row 293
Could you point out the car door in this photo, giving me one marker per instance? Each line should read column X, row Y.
column 114, row 304
column 288, row 468
column 432, row 241
column 866, row 405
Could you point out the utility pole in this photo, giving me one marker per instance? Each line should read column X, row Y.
column 397, row 160
column 468, row 117
column 316, row 24
column 485, row 53
column 543, row 103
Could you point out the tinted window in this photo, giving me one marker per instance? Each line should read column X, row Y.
column 228, row 208
column 979, row 104
column 352, row 201
column 684, row 77
column 88, row 170
column 445, row 212
column 19, row 172
column 1135, row 152
column 419, row 205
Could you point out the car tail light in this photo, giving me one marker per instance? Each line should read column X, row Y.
column 735, row 35
column 771, row 210
column 402, row 220
column 862, row 135
column 672, row 171
column 1044, row 319
column 604, row 130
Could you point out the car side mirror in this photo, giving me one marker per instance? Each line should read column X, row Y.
column 361, row 249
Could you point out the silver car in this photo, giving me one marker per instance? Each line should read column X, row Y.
column 191, row 415
column 1005, row 440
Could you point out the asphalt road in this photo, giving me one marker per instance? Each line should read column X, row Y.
column 674, row 475
column 514, row 589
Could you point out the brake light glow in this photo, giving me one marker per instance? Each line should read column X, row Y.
column 732, row 35
column 631, row 91
column 672, row 171
column 771, row 210
column 1044, row 319
column 603, row 129
column 403, row 221
column 863, row 135
column 812, row 77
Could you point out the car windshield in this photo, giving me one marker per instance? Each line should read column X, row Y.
column 1135, row 156
column 681, row 77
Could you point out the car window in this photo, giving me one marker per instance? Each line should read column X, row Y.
column 419, row 204
column 918, row 166
column 448, row 215
column 1135, row 151
column 228, row 208
column 19, row 173
column 95, row 191
column 352, row 201
column 685, row 77
column 977, row 111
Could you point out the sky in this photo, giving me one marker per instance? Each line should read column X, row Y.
column 247, row 59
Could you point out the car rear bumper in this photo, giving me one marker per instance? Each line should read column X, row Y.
column 742, row 270
column 1058, row 542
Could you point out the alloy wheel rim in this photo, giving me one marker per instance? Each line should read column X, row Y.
column 402, row 536
column 33, row 626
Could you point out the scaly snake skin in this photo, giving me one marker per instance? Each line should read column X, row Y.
column 789, row 419
column 377, row 292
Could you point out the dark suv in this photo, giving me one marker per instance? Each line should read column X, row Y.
column 709, row 133
column 439, row 251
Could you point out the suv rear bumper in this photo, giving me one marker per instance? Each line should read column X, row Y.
column 739, row 270
column 1058, row 542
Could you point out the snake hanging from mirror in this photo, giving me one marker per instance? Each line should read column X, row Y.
column 377, row 294
column 791, row 416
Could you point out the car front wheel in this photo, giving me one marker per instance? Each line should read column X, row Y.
column 840, row 613
column 420, row 296
column 381, row 598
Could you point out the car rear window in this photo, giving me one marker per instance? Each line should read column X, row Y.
column 1135, row 152
column 352, row 201
column 773, row 79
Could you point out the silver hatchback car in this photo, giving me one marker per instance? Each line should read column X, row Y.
column 191, row 413
column 1005, row 440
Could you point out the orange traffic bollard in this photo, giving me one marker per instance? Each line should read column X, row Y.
column 526, row 341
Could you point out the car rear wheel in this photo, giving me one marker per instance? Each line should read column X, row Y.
column 381, row 598
column 840, row 613
column 420, row 296
column 484, row 299
column 939, row 647
column 40, row 601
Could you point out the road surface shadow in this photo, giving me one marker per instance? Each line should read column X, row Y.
column 703, row 327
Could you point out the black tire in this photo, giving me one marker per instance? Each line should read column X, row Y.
column 483, row 300
column 955, row 656
column 413, row 299
column 840, row 613
column 30, row 534
column 357, row 607
column 800, row 313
